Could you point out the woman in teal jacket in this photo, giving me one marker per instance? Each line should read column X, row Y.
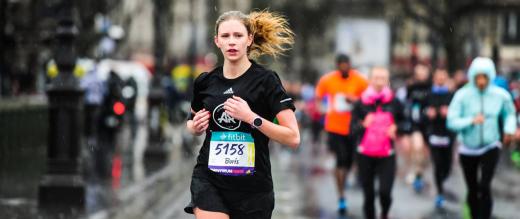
column 474, row 113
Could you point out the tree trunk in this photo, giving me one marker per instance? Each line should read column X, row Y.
column 211, row 18
column 3, row 68
column 161, row 8
column 454, row 51
column 35, row 48
column 496, row 56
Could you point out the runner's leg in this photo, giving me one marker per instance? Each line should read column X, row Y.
column 337, row 144
column 442, row 158
column 470, row 167
column 201, row 214
column 405, row 152
column 367, row 173
column 418, row 154
column 489, row 162
column 386, row 171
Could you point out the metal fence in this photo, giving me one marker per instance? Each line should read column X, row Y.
column 23, row 141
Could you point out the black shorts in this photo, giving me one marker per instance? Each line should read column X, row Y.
column 344, row 148
column 237, row 205
column 409, row 127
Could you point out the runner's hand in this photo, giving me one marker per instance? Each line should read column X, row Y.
column 506, row 140
column 444, row 111
column 238, row 108
column 479, row 119
column 201, row 121
column 517, row 135
column 431, row 112
column 351, row 98
column 368, row 119
column 392, row 131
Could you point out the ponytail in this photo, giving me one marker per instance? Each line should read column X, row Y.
column 271, row 34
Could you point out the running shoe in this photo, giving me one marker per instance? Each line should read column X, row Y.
column 342, row 206
column 418, row 185
column 439, row 202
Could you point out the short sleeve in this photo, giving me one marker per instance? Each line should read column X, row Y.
column 321, row 88
column 276, row 96
column 196, row 102
column 362, row 85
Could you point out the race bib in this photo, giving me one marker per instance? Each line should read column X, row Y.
column 416, row 112
column 439, row 141
column 232, row 153
column 341, row 104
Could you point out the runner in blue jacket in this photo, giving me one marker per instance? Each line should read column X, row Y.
column 474, row 113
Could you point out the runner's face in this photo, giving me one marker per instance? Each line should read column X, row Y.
column 481, row 80
column 232, row 39
column 379, row 79
column 440, row 77
column 344, row 67
column 421, row 73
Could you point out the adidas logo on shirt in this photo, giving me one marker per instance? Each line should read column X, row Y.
column 229, row 91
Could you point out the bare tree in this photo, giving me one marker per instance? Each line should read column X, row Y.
column 161, row 20
column 443, row 16
column 26, row 32
column 89, row 37
column 308, row 20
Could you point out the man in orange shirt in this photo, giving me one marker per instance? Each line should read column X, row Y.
column 342, row 88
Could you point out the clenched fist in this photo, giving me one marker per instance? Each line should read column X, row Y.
column 201, row 121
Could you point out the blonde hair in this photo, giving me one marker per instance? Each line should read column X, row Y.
column 271, row 33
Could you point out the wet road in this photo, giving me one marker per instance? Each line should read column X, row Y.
column 304, row 188
column 310, row 174
column 303, row 181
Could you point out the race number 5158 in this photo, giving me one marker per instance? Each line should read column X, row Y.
column 229, row 149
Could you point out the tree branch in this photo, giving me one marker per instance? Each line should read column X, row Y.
column 483, row 6
column 419, row 17
column 429, row 7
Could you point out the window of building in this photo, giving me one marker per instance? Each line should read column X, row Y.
column 512, row 28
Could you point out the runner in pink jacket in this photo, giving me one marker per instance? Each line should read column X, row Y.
column 374, row 123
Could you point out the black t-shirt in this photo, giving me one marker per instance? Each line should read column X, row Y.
column 418, row 91
column 263, row 91
column 437, row 125
column 416, row 99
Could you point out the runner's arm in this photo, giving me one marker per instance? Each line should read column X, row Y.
column 508, row 116
column 198, row 122
column 356, row 121
column 455, row 121
column 286, row 133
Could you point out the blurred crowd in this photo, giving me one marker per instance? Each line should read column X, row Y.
column 312, row 117
column 429, row 113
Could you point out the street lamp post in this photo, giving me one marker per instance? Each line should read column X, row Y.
column 62, row 186
column 156, row 153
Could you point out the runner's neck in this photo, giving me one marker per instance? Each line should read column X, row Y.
column 234, row 70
